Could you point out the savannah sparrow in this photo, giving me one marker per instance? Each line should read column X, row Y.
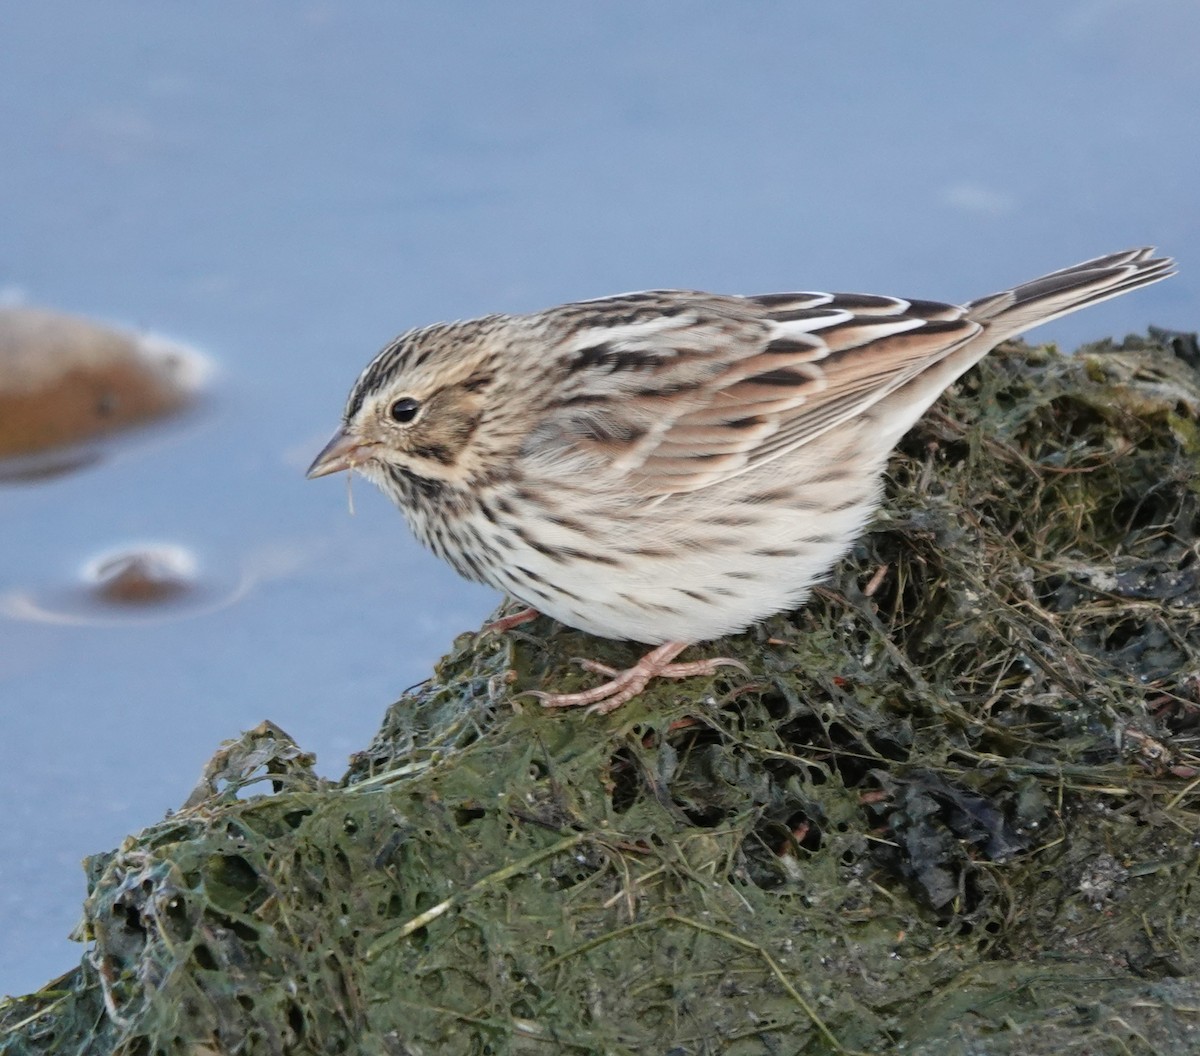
column 670, row 466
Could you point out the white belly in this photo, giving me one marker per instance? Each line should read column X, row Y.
column 681, row 570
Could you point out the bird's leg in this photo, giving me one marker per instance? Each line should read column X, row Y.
column 513, row 619
column 627, row 684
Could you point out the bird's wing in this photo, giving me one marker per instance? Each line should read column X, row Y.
column 676, row 391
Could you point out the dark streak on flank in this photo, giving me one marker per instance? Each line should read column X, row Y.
column 530, row 575
column 845, row 504
column 536, row 544
column 790, row 497
column 582, row 555
column 646, row 606
column 537, row 592
column 461, row 559
column 569, row 523
column 560, row 554
column 833, row 475
column 770, row 496
column 528, row 497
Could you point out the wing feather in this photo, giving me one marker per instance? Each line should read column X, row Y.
column 682, row 390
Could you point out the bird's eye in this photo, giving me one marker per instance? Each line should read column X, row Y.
column 404, row 410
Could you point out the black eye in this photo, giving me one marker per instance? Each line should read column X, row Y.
column 404, row 410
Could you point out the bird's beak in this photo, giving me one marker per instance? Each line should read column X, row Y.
column 344, row 451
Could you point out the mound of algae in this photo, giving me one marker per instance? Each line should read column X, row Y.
column 952, row 808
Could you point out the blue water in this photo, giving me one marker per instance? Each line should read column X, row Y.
column 287, row 185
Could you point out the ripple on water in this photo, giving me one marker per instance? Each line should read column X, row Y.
column 138, row 583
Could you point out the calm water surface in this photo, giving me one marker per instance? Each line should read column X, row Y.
column 287, row 185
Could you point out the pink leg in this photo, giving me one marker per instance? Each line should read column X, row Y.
column 514, row 619
column 627, row 684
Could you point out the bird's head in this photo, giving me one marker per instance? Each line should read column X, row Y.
column 421, row 407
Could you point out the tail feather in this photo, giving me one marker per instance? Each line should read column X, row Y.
column 1061, row 292
column 1004, row 315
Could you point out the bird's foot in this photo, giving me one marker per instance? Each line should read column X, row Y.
column 513, row 619
column 625, row 685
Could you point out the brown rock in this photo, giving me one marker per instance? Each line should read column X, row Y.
column 64, row 380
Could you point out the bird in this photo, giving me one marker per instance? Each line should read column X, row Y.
column 671, row 466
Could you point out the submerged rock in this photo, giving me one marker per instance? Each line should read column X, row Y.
column 138, row 583
column 144, row 575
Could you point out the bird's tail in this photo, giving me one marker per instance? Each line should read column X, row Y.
column 1004, row 315
column 1014, row 311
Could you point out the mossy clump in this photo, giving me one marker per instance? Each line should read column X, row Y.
column 952, row 807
